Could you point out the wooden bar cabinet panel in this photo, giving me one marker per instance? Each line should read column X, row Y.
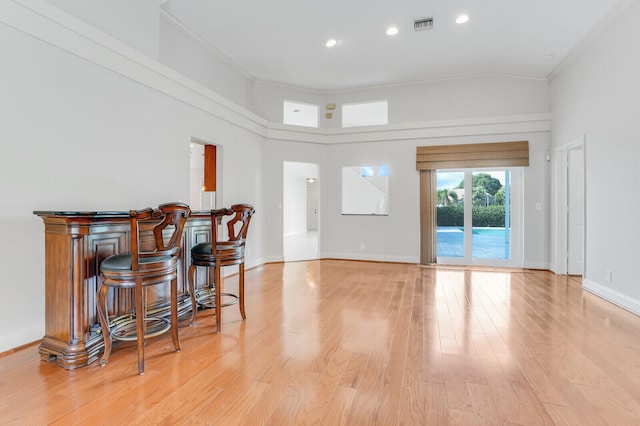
column 75, row 245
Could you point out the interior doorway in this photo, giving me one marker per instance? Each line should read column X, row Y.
column 204, row 174
column 571, row 190
column 301, row 208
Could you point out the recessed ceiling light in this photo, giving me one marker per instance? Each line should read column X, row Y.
column 331, row 42
column 392, row 31
column 462, row 19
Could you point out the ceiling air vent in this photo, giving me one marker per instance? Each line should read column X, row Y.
column 422, row 24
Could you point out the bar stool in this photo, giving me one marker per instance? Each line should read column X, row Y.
column 215, row 254
column 155, row 252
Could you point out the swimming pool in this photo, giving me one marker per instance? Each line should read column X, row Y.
column 487, row 243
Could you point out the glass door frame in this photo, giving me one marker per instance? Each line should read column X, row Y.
column 516, row 220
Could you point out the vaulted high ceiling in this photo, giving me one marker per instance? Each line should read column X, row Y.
column 283, row 41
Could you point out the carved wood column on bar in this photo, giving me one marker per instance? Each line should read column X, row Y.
column 75, row 245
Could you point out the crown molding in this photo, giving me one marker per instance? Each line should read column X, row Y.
column 172, row 19
column 464, row 77
column 605, row 23
column 291, row 86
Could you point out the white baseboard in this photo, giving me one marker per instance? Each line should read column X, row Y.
column 21, row 338
column 270, row 259
column 371, row 257
column 536, row 265
column 613, row 296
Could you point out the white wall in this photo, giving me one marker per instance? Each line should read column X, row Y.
column 442, row 112
column 143, row 25
column 481, row 96
column 268, row 99
column 473, row 97
column 596, row 95
column 186, row 53
column 396, row 237
column 77, row 135
column 134, row 23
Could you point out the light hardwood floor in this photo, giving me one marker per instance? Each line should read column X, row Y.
column 357, row 343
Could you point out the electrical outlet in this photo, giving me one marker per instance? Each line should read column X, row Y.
column 608, row 276
column 361, row 246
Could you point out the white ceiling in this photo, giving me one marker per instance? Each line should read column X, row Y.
column 283, row 41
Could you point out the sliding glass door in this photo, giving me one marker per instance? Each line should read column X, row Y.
column 478, row 217
column 450, row 214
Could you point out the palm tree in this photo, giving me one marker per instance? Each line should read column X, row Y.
column 446, row 197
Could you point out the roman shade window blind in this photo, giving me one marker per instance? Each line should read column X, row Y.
column 429, row 159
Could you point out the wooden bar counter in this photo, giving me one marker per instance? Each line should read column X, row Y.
column 75, row 245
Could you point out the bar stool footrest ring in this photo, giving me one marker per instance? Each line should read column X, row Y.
column 206, row 298
column 126, row 329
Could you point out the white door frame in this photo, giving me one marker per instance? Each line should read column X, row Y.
column 198, row 198
column 295, row 175
column 562, row 210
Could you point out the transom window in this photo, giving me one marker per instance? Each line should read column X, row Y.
column 300, row 114
column 365, row 114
